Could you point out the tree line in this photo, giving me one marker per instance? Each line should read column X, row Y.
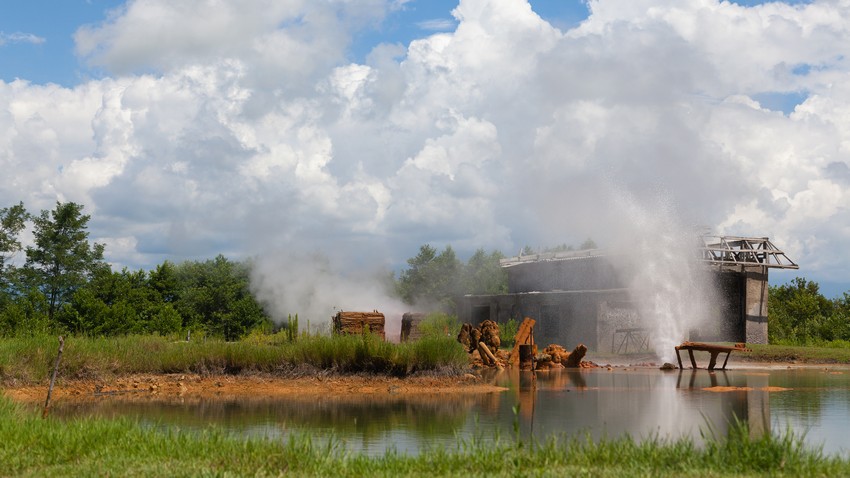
column 798, row 314
column 65, row 286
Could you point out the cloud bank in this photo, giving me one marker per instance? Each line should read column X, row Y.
column 247, row 130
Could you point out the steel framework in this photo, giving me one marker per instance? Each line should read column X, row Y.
column 743, row 252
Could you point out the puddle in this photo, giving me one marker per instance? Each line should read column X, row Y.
column 602, row 403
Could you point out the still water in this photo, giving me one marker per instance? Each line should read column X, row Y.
column 601, row 402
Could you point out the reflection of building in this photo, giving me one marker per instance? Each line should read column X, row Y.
column 583, row 296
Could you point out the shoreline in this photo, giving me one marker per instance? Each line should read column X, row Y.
column 183, row 386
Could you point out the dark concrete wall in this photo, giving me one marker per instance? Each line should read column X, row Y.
column 583, row 301
column 565, row 318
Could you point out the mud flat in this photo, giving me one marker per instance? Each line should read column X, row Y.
column 187, row 386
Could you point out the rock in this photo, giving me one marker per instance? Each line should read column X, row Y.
column 464, row 337
column 574, row 359
column 558, row 353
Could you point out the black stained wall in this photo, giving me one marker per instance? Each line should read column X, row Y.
column 585, row 273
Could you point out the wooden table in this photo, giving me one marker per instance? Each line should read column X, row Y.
column 713, row 349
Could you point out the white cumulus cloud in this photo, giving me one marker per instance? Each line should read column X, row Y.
column 239, row 129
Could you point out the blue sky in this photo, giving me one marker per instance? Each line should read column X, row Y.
column 52, row 58
column 254, row 136
column 47, row 54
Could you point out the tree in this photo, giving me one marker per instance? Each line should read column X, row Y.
column 431, row 279
column 116, row 303
column 484, row 274
column 798, row 312
column 12, row 221
column 588, row 244
column 215, row 296
column 62, row 259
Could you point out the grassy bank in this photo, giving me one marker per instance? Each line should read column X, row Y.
column 31, row 359
column 30, row 446
column 829, row 353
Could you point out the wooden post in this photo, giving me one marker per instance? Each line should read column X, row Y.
column 526, row 357
column 574, row 359
column 693, row 361
column 486, row 355
column 713, row 360
column 727, row 359
column 53, row 377
column 524, row 335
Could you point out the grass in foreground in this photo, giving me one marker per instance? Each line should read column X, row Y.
column 30, row 446
column 31, row 359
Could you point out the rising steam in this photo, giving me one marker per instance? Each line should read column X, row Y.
column 672, row 291
column 314, row 288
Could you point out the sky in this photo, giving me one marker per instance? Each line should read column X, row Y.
column 362, row 130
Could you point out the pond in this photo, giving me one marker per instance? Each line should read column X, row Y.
column 641, row 402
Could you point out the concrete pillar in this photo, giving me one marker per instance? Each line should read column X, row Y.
column 755, row 305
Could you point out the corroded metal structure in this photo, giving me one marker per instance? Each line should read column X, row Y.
column 743, row 252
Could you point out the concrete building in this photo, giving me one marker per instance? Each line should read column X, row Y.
column 583, row 296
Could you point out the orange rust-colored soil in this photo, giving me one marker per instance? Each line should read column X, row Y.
column 183, row 386
column 745, row 389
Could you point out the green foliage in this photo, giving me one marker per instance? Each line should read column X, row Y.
column 431, row 278
column 65, row 286
column 62, row 260
column 799, row 314
column 508, row 330
column 439, row 324
column 214, row 296
column 484, row 275
column 434, row 280
column 115, row 303
column 29, row 359
column 12, row 220
column 291, row 327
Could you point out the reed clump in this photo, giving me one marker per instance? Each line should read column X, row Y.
column 31, row 446
column 29, row 359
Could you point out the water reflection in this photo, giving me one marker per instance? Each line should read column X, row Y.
column 602, row 403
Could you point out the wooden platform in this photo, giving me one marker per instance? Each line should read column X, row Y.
column 713, row 349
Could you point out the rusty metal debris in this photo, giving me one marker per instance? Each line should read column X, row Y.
column 483, row 343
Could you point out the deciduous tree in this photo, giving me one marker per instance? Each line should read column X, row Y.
column 62, row 259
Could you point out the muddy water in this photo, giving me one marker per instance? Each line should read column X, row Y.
column 639, row 402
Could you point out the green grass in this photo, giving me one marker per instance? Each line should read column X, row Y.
column 31, row 359
column 30, row 446
column 838, row 352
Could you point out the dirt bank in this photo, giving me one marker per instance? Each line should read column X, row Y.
column 183, row 386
